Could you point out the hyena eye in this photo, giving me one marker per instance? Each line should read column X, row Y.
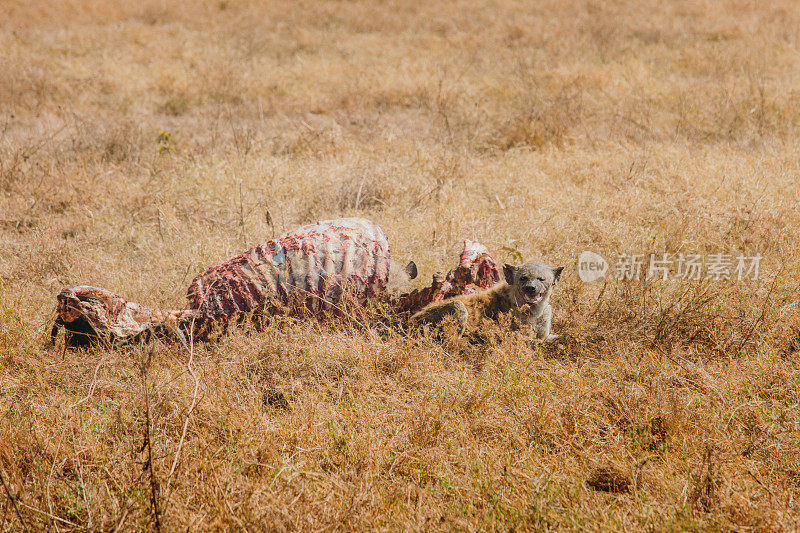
column 540, row 278
column 523, row 279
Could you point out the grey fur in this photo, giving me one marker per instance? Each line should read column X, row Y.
column 400, row 277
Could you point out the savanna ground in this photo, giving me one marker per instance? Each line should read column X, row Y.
column 142, row 143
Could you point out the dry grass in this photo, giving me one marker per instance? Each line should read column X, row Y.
column 141, row 144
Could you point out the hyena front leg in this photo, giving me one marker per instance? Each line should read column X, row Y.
column 541, row 326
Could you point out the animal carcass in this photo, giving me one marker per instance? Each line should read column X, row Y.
column 315, row 269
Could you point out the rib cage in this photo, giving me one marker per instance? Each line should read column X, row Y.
column 310, row 268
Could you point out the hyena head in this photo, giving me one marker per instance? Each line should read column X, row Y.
column 532, row 281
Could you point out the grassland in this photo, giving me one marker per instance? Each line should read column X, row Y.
column 142, row 143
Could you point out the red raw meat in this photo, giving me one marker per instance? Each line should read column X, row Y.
column 476, row 269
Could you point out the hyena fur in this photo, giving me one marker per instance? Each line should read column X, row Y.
column 525, row 294
column 399, row 282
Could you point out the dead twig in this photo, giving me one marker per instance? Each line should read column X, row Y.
column 13, row 502
column 147, row 445
column 763, row 310
column 122, row 520
column 91, row 386
column 704, row 493
column 50, row 515
column 190, row 348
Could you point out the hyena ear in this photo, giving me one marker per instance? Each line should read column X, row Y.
column 557, row 274
column 508, row 273
column 411, row 269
